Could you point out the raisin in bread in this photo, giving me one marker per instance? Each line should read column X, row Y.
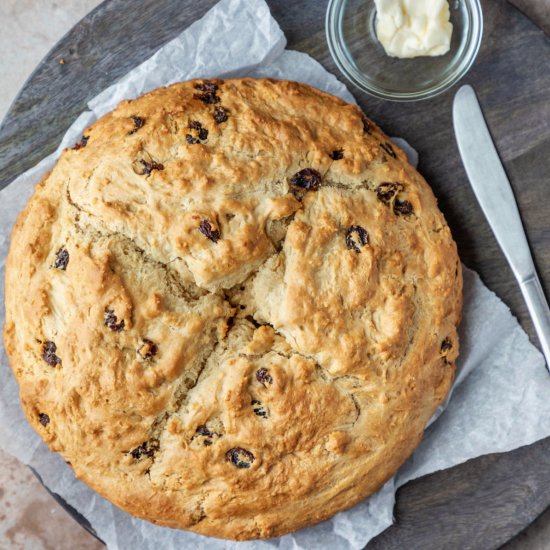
column 232, row 307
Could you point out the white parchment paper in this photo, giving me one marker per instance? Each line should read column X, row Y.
column 500, row 400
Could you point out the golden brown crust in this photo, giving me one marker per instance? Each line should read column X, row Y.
column 233, row 307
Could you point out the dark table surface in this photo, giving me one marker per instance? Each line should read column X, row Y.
column 480, row 504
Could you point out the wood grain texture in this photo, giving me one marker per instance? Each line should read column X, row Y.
column 477, row 505
column 537, row 10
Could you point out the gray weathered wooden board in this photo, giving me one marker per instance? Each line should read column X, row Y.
column 477, row 505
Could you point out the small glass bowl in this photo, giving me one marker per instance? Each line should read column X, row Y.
column 351, row 36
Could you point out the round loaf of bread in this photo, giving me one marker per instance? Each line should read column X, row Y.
column 232, row 307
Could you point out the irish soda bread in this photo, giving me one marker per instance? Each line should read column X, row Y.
column 232, row 307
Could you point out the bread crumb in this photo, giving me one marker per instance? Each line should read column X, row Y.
column 262, row 341
column 337, row 442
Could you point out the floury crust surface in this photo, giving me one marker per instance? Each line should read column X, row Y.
column 232, row 307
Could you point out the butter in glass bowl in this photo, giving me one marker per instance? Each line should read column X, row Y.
column 351, row 31
column 413, row 28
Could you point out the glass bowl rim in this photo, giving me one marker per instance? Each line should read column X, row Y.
column 336, row 46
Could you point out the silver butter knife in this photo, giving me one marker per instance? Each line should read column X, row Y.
column 494, row 194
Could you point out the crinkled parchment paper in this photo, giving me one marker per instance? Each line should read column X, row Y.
column 500, row 399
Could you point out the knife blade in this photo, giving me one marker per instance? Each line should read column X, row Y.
column 495, row 197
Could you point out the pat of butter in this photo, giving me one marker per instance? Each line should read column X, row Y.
column 413, row 28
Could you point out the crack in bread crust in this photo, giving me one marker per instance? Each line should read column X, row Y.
column 253, row 325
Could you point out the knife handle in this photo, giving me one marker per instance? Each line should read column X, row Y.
column 540, row 312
